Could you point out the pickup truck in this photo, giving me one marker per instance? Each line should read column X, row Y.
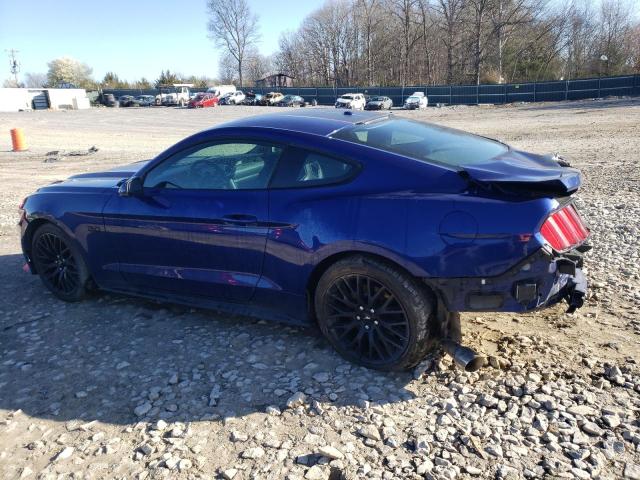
column 179, row 97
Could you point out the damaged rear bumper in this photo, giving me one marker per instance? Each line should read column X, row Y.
column 541, row 280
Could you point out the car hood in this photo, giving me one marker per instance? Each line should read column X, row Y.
column 98, row 180
column 526, row 174
column 343, row 100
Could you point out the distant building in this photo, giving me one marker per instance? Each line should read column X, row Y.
column 275, row 80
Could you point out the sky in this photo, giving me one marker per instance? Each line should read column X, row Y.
column 133, row 38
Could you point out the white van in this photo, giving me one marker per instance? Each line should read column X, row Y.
column 221, row 90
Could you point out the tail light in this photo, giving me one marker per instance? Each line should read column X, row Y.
column 21, row 204
column 564, row 229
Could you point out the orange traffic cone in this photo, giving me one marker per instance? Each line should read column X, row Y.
column 17, row 140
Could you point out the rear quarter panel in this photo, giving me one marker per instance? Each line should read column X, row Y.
column 417, row 215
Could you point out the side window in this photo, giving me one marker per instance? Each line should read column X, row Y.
column 217, row 166
column 300, row 168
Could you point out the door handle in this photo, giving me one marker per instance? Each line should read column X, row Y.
column 240, row 219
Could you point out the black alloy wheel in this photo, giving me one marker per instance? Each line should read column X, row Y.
column 367, row 318
column 59, row 265
column 375, row 315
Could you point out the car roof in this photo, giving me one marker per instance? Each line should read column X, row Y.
column 315, row 122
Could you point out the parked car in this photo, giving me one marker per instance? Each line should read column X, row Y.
column 353, row 101
column 202, row 100
column 271, row 98
column 224, row 99
column 109, row 100
column 221, row 90
column 379, row 103
column 252, row 98
column 127, row 101
column 295, row 217
column 145, row 100
column 235, row 98
column 291, row 101
column 417, row 100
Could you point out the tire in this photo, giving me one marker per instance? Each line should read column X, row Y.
column 59, row 263
column 375, row 315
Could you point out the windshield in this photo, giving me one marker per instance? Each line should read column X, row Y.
column 377, row 99
column 413, row 99
column 346, row 97
column 423, row 141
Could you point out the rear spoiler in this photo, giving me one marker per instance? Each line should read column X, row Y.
column 539, row 176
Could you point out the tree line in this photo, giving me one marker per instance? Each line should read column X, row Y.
column 408, row 42
column 67, row 72
column 415, row 42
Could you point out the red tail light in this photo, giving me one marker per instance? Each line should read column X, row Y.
column 564, row 229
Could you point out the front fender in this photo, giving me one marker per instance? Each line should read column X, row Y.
column 78, row 215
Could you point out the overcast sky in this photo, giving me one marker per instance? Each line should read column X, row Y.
column 133, row 38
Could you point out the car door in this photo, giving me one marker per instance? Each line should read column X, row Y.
column 309, row 210
column 199, row 227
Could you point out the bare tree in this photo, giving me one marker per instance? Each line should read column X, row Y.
column 428, row 39
column 614, row 26
column 404, row 42
column 227, row 69
column 232, row 25
column 35, row 80
column 256, row 66
column 371, row 15
column 633, row 45
column 480, row 11
column 451, row 12
column 406, row 14
column 509, row 17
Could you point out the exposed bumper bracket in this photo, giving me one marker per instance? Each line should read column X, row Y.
column 576, row 291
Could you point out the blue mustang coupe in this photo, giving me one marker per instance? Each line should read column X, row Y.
column 380, row 229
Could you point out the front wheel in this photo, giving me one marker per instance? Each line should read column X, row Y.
column 59, row 263
column 374, row 314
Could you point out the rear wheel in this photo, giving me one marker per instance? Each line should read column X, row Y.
column 374, row 314
column 59, row 264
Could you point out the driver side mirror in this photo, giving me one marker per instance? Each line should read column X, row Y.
column 131, row 188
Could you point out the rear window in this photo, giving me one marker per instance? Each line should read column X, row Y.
column 422, row 141
column 301, row 168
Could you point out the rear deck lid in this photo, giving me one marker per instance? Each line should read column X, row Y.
column 525, row 173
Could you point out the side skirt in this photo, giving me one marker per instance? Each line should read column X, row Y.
column 247, row 310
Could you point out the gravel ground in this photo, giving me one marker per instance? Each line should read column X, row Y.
column 120, row 388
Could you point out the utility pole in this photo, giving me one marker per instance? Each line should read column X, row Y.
column 13, row 61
